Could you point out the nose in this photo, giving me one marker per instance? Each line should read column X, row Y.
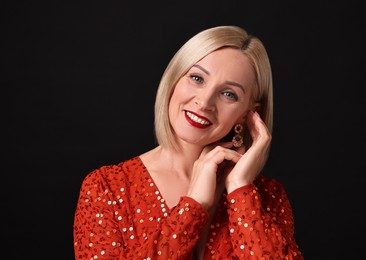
column 205, row 100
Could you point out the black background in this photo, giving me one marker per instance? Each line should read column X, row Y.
column 78, row 87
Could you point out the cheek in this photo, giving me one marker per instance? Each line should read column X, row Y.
column 182, row 93
column 234, row 114
column 175, row 100
column 244, row 107
column 228, row 120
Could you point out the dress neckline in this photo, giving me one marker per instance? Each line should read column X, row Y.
column 158, row 194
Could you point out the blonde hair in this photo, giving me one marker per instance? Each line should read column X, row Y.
column 195, row 49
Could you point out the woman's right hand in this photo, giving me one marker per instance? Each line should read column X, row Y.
column 204, row 174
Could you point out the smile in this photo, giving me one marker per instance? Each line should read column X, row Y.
column 197, row 120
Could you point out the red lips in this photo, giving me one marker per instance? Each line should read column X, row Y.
column 204, row 122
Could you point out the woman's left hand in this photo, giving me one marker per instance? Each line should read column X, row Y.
column 251, row 163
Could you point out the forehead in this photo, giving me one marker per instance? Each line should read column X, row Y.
column 229, row 64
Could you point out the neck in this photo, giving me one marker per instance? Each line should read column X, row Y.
column 179, row 162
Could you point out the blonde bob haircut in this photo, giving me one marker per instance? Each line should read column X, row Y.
column 194, row 50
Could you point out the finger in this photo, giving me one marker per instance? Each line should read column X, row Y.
column 240, row 149
column 257, row 128
column 220, row 154
column 210, row 147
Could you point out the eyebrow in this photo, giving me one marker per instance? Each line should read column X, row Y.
column 232, row 83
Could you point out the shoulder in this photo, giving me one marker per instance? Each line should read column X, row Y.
column 114, row 174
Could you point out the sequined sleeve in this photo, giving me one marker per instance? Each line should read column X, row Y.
column 261, row 222
column 111, row 223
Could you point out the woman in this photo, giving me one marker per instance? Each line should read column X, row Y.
column 198, row 194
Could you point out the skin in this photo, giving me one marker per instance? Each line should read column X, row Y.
column 217, row 89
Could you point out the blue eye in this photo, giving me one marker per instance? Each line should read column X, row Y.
column 230, row 95
column 196, row 78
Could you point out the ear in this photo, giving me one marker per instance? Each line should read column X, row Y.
column 257, row 107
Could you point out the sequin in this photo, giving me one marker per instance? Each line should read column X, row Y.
column 121, row 215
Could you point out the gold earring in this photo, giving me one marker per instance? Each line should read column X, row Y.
column 238, row 138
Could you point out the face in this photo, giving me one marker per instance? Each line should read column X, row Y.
column 212, row 97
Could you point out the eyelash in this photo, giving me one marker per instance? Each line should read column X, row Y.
column 196, row 78
column 199, row 80
column 233, row 95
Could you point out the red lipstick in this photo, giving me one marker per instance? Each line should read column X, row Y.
column 204, row 121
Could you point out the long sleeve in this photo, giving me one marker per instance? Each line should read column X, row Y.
column 178, row 233
column 121, row 218
column 120, row 214
column 261, row 222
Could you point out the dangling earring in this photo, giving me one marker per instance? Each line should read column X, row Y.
column 238, row 138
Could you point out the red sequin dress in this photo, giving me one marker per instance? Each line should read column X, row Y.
column 121, row 214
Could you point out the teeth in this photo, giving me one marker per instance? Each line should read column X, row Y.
column 197, row 119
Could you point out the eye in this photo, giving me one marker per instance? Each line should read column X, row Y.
column 230, row 95
column 196, row 78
